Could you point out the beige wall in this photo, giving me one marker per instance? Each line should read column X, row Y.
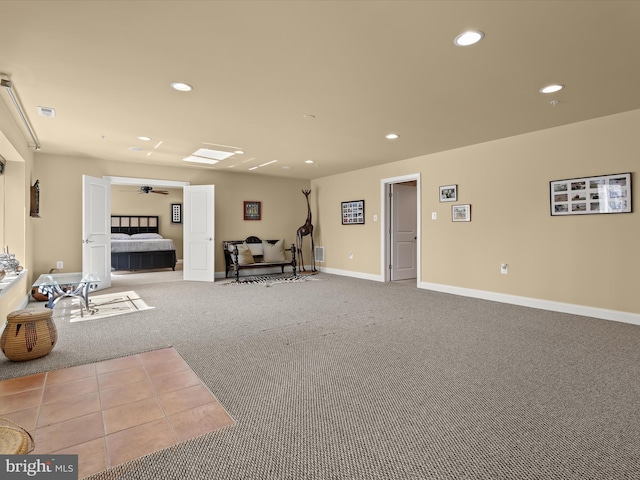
column 15, row 223
column 588, row 260
column 57, row 234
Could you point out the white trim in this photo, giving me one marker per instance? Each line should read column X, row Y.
column 384, row 227
column 349, row 273
column 146, row 181
column 602, row 313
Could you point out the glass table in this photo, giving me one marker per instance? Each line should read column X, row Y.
column 60, row 285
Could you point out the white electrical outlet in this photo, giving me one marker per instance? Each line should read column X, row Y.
column 504, row 269
column 60, row 264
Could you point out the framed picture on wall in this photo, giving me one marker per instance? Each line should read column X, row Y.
column 252, row 210
column 590, row 195
column 461, row 213
column 353, row 212
column 449, row 193
column 176, row 213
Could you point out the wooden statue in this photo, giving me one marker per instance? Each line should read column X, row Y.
column 303, row 231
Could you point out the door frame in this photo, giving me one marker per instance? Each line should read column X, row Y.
column 135, row 181
column 385, row 224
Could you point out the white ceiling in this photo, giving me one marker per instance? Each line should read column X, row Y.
column 362, row 68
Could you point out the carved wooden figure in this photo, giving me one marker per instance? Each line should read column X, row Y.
column 303, row 231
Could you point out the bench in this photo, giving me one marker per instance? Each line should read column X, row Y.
column 256, row 253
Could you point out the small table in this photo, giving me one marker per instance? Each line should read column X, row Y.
column 59, row 285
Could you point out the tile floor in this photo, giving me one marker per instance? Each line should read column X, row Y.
column 113, row 411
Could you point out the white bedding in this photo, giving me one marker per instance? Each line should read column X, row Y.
column 142, row 245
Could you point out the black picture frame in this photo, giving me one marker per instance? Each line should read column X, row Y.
column 600, row 194
column 353, row 212
column 176, row 213
column 448, row 193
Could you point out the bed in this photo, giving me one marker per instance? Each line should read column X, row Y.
column 137, row 245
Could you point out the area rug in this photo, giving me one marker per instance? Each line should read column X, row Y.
column 267, row 280
column 108, row 305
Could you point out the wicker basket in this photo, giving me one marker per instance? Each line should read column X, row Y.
column 28, row 334
column 14, row 440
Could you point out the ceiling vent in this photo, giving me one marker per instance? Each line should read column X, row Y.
column 47, row 112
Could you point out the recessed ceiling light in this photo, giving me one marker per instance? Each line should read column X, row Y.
column 391, row 136
column 309, row 116
column 308, row 161
column 145, row 139
column 468, row 38
column 556, row 87
column 136, row 149
column 286, row 167
column 239, row 152
column 181, row 87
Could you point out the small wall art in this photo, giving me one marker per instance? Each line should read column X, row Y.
column 449, row 193
column 353, row 212
column 461, row 213
column 176, row 213
column 591, row 195
column 252, row 210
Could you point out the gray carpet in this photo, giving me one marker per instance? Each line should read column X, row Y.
column 350, row 379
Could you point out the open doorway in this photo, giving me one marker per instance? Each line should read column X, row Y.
column 401, row 228
column 134, row 200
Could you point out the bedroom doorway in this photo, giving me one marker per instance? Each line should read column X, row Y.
column 111, row 180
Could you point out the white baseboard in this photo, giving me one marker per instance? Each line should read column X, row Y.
column 602, row 313
column 348, row 273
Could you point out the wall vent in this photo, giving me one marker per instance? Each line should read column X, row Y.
column 47, row 112
column 319, row 254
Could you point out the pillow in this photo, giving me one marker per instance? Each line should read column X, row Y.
column 244, row 255
column 120, row 236
column 146, row 236
column 273, row 252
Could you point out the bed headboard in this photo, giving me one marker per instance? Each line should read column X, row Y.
column 131, row 224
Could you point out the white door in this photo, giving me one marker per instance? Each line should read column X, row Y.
column 404, row 231
column 199, row 239
column 96, row 229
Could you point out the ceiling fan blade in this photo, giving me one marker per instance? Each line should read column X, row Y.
column 160, row 192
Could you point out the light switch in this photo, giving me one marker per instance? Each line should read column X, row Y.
column 375, row 218
column 434, row 215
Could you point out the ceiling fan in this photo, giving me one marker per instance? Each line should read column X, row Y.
column 146, row 189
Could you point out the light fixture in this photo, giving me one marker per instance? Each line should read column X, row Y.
column 194, row 159
column 470, row 37
column 181, row 87
column 556, row 87
column 8, row 84
column 391, row 136
column 239, row 152
column 308, row 161
column 144, row 139
column 268, row 163
column 214, row 154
